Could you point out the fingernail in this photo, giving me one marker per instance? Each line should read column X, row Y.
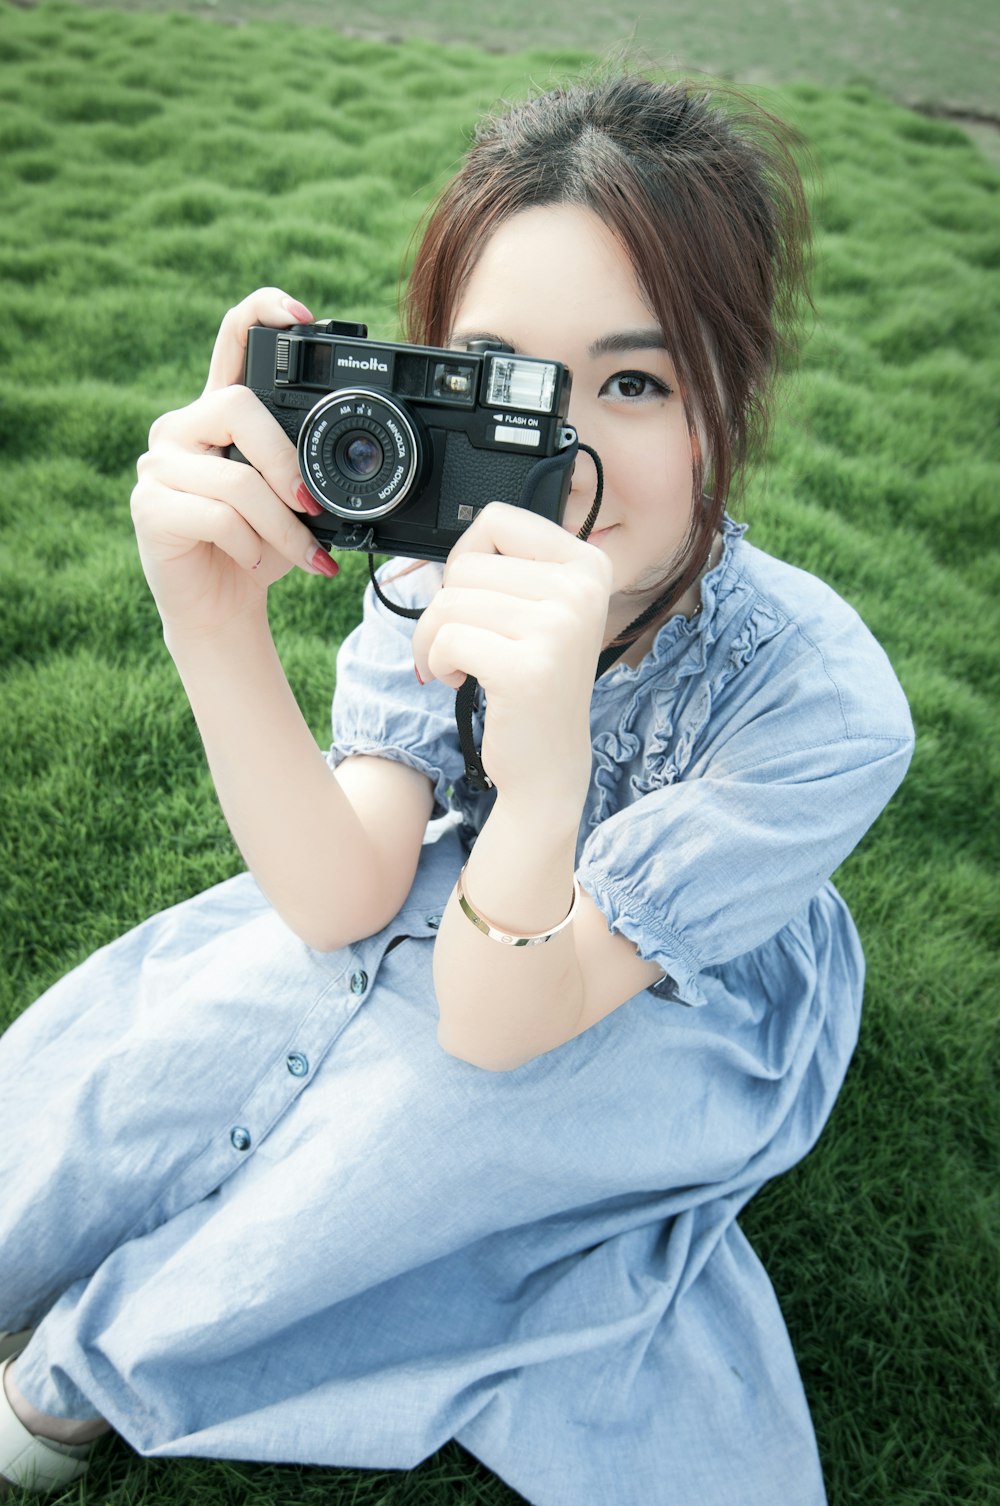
column 307, row 501
column 417, row 673
column 320, row 563
column 299, row 311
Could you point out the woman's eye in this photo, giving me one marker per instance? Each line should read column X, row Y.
column 633, row 385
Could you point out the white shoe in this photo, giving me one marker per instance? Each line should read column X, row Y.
column 35, row 1464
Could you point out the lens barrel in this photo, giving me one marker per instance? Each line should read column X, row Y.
column 359, row 453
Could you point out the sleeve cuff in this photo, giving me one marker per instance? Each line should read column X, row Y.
column 653, row 942
column 441, row 781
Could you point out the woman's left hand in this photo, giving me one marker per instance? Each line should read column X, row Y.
column 523, row 607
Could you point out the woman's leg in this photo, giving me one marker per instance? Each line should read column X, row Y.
column 121, row 1087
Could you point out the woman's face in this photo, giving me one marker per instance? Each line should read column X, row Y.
column 554, row 282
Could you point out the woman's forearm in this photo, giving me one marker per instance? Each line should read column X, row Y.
column 500, row 1005
column 293, row 823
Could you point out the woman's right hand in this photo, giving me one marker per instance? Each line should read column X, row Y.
column 213, row 533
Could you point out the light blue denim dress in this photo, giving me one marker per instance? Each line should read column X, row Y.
column 258, row 1213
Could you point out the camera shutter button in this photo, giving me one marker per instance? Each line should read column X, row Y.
column 484, row 346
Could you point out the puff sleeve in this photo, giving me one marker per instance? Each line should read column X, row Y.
column 796, row 756
column 379, row 707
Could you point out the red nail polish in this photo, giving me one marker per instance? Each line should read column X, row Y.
column 307, row 501
column 417, row 673
column 321, row 563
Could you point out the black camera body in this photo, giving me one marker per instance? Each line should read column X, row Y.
column 403, row 444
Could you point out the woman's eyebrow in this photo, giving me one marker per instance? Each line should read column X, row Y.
column 612, row 344
column 627, row 339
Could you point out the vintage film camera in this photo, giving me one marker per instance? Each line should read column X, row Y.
column 403, row 444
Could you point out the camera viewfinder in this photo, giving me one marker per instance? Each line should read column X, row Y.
column 454, row 381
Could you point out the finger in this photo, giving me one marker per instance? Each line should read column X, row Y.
column 534, row 580
column 546, row 628
column 502, row 529
column 183, row 519
column 507, row 616
column 460, row 649
column 268, row 306
column 212, row 483
column 232, row 415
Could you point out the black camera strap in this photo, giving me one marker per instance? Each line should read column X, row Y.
column 465, row 696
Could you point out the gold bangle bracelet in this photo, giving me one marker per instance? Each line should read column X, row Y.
column 509, row 938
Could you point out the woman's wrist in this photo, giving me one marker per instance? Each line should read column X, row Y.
column 185, row 642
column 521, row 871
column 500, row 1002
column 556, row 811
column 508, row 938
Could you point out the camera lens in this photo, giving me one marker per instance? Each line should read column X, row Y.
column 360, row 453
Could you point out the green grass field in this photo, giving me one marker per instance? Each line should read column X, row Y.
column 153, row 168
column 917, row 51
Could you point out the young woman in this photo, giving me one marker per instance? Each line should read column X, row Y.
column 314, row 1167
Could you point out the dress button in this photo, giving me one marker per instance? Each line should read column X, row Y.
column 359, row 982
column 240, row 1138
column 434, row 921
column 297, row 1064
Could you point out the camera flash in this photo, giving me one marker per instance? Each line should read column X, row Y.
column 517, row 383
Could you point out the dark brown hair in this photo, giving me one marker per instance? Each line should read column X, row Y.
column 702, row 192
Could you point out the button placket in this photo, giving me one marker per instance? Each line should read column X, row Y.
column 270, row 1100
